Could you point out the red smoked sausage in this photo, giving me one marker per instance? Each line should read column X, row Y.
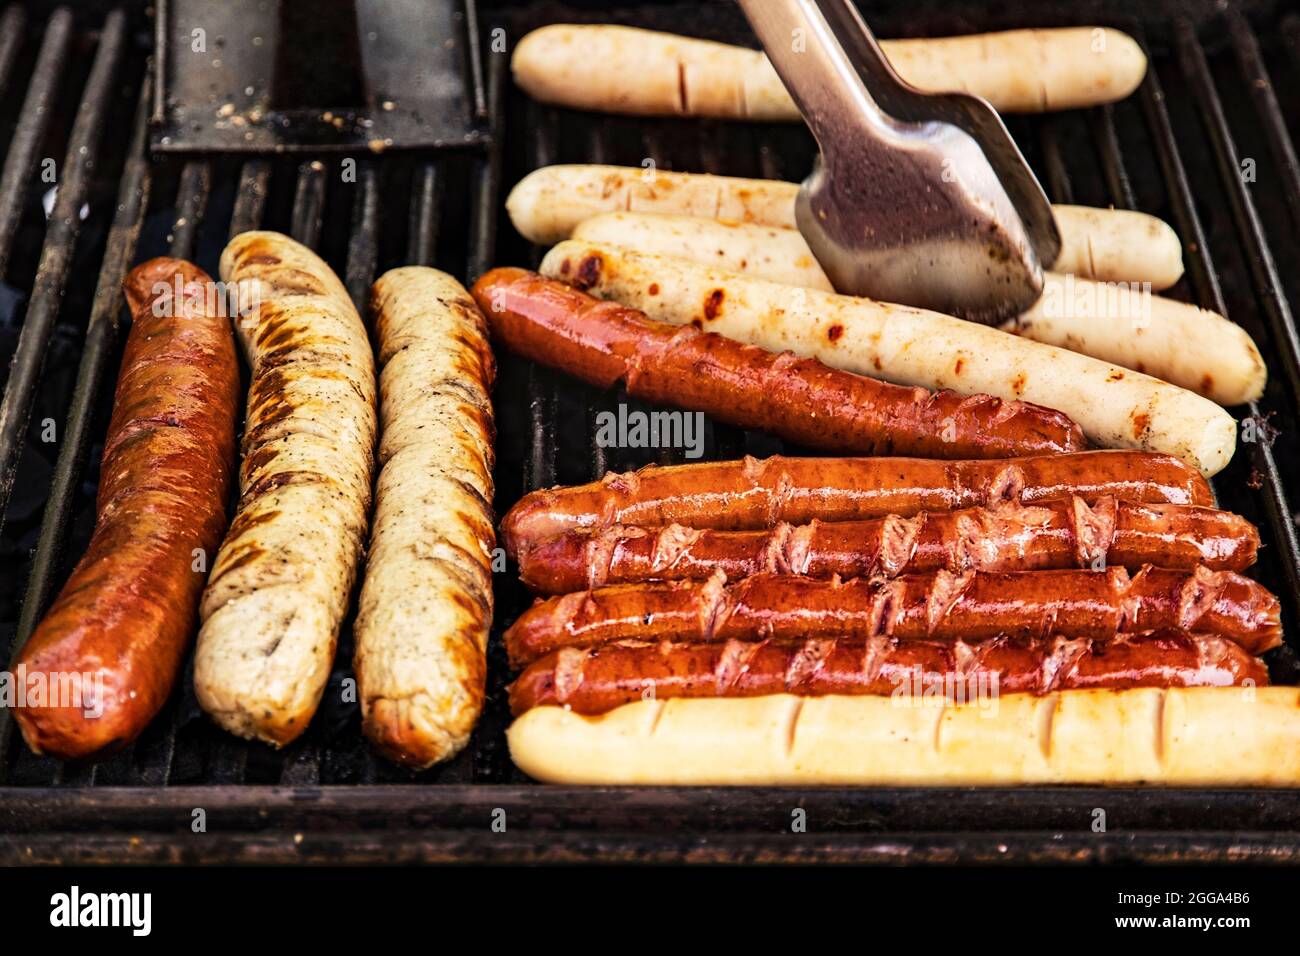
column 594, row 680
column 975, row 606
column 118, row 630
column 751, row 493
column 1065, row 533
column 800, row 400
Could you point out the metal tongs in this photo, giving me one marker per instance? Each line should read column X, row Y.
column 918, row 198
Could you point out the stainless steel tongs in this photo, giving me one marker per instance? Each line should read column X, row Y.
column 918, row 198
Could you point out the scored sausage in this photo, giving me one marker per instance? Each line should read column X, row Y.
column 972, row 606
column 1062, row 533
column 282, row 580
column 595, row 680
column 798, row 399
column 118, row 630
column 750, row 493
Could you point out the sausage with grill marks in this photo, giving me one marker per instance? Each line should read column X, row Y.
column 798, row 399
column 282, row 580
column 1065, row 533
column 973, row 606
column 119, row 628
column 426, row 605
column 751, row 493
column 595, row 680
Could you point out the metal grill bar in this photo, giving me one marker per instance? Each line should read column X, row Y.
column 56, row 255
column 101, row 334
column 422, row 240
column 475, row 60
column 309, row 203
column 1058, row 179
column 363, row 247
column 1210, row 295
column 1112, row 161
column 37, row 109
column 191, row 203
column 1250, row 59
column 254, row 178
column 12, row 25
column 1263, row 269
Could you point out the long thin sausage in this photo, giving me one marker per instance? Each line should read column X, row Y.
column 115, row 636
column 798, row 399
column 973, row 606
column 1064, row 533
column 592, row 681
column 754, row 493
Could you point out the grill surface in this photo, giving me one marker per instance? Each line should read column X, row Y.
column 1214, row 104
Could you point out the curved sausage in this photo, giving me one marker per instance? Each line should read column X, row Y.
column 1064, row 533
column 594, row 680
column 282, row 581
column 115, row 636
column 754, row 493
column 972, row 607
column 800, row 400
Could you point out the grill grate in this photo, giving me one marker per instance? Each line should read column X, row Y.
column 1177, row 154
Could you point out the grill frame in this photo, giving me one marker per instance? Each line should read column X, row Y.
column 138, row 807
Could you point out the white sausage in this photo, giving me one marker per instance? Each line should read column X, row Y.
column 426, row 604
column 280, row 585
column 1189, row 347
column 548, row 204
column 621, row 69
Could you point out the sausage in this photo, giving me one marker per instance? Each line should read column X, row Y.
column 1136, row 737
column 973, row 606
column 1115, row 407
column 118, row 630
column 1063, row 533
column 637, row 72
column 798, row 399
column 750, row 493
column 595, row 680
column 282, row 581
column 426, row 603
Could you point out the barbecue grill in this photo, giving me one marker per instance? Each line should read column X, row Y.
column 1206, row 143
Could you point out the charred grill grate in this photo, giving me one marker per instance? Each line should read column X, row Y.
column 1175, row 149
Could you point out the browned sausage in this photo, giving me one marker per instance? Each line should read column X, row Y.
column 594, row 680
column 1065, row 533
column 123, row 620
column 750, row 493
column 973, row 606
column 800, row 400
